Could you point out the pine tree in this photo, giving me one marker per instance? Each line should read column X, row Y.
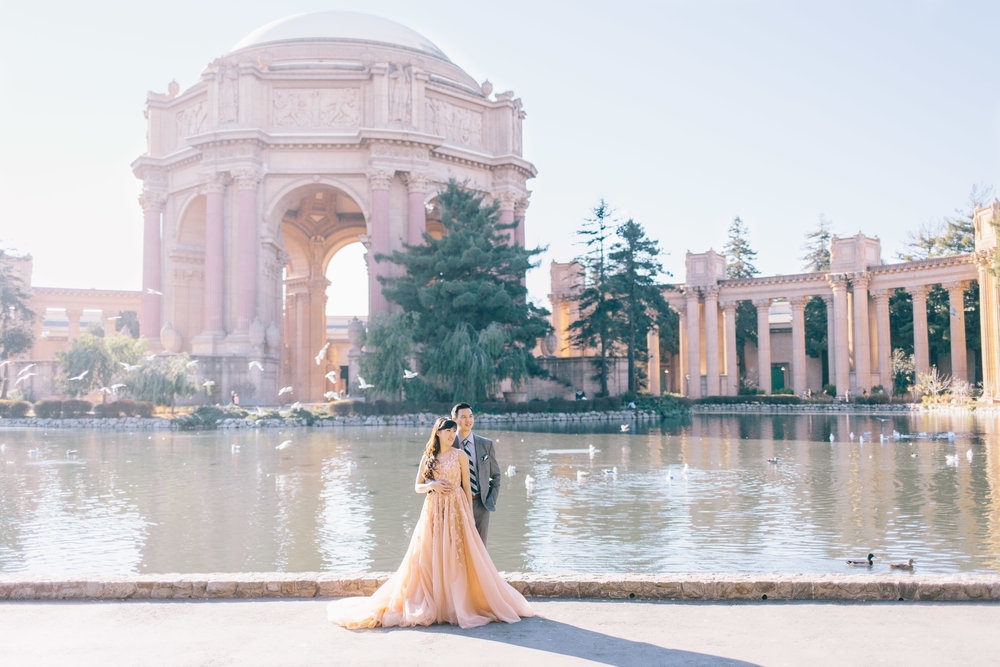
column 634, row 283
column 740, row 264
column 817, row 247
column 595, row 327
column 471, row 277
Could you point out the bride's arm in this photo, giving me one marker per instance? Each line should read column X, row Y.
column 422, row 485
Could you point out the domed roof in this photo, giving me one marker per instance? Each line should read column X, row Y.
column 340, row 27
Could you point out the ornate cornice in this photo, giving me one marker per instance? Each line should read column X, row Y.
column 762, row 303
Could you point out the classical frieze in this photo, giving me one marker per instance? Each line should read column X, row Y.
column 192, row 120
column 316, row 108
column 456, row 124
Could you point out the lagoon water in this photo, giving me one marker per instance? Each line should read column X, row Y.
column 692, row 496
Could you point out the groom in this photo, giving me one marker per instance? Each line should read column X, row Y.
column 484, row 471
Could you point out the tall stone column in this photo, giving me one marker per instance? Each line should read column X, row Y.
column 152, row 203
column 215, row 265
column 508, row 201
column 884, row 342
column 693, row 342
column 416, row 212
column 830, row 347
column 732, row 360
column 921, row 352
column 862, row 339
column 712, row 340
column 247, row 241
column 682, row 352
column 519, row 211
column 763, row 345
column 799, row 381
column 989, row 325
column 838, row 282
column 653, row 362
column 379, row 181
column 956, row 303
column 306, row 304
column 74, row 315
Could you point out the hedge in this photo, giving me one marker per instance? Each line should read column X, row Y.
column 14, row 409
column 764, row 399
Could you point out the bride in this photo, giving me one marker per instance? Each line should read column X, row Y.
column 446, row 575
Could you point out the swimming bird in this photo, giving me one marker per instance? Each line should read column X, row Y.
column 529, row 482
column 774, row 460
column 903, row 565
column 34, row 453
column 968, row 456
column 364, row 385
column 322, row 353
column 255, row 364
column 235, row 448
column 284, row 390
column 150, row 290
column 284, row 445
column 612, row 472
column 511, row 471
column 864, row 563
column 408, row 374
column 71, row 453
column 831, row 437
column 77, row 378
column 582, row 475
column 852, row 436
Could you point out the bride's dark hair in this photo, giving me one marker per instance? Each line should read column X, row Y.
column 434, row 446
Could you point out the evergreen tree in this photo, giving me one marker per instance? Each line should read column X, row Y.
column 634, row 283
column 817, row 247
column 471, row 276
column 740, row 264
column 391, row 338
column 16, row 318
column 595, row 327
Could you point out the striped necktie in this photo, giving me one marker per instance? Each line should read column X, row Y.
column 471, row 453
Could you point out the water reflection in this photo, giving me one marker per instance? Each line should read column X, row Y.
column 694, row 496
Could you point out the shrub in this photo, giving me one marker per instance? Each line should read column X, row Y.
column 48, row 409
column 784, row 391
column 761, row 399
column 76, row 407
column 144, row 409
column 112, row 409
column 203, row 417
column 14, row 409
column 830, row 390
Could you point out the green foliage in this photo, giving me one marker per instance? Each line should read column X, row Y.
column 14, row 409
column 68, row 409
column 760, row 399
column 465, row 363
column 97, row 362
column 125, row 408
column 391, row 336
column 817, row 247
column 635, row 285
column 128, row 322
column 902, row 370
column 16, row 318
column 830, row 390
column 470, row 277
column 159, row 379
column 203, row 417
column 596, row 328
column 739, row 255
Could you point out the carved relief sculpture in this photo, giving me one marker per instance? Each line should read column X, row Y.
column 400, row 77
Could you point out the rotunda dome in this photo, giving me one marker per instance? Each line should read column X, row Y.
column 340, row 27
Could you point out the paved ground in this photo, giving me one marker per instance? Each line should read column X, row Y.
column 565, row 632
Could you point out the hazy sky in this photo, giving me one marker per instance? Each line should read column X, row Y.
column 683, row 114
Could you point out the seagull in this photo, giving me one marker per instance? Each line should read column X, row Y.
column 831, row 437
column 330, row 395
column 150, row 290
column 331, row 376
column 364, row 385
column 592, row 450
column 105, row 390
column 208, row 383
column 581, row 475
column 116, row 386
column 408, row 374
column 954, row 313
column 77, row 378
column 774, row 460
column 255, row 364
column 852, row 436
column 862, row 563
column 4, row 363
column 612, row 472
column 625, row 427
column 130, row 367
column 235, row 448
column 23, row 377
column 116, row 317
column 191, row 364
column 284, row 390
column 951, row 459
column 904, row 565
column 322, row 353
column 295, row 406
column 71, row 453
column 284, row 445
column 511, row 471
column 25, row 369
column 968, row 456
column 529, row 482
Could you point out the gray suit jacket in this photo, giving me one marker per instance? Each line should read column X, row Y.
column 487, row 470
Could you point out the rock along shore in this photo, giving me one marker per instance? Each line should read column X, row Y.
column 703, row 587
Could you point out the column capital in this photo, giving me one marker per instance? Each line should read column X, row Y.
column 690, row 293
column 521, row 205
column 508, row 200
column 917, row 292
column 827, row 299
column 247, row 179
column 152, row 200
column 860, row 280
column 710, row 292
column 417, row 182
column 838, row 281
column 984, row 259
column 798, row 302
column 956, row 285
column 761, row 304
column 880, row 293
column 214, row 183
column 729, row 304
column 380, row 179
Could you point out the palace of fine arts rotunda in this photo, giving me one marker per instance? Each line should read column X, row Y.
column 314, row 132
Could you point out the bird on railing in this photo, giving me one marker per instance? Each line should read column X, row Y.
column 863, row 563
column 903, row 565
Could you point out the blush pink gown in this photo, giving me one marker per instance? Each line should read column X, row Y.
column 446, row 575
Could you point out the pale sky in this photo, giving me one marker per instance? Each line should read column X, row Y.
column 682, row 114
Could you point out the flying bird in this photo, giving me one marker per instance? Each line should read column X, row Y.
column 191, row 364
column 284, row 445
column 150, row 290
column 625, row 427
column 25, row 369
column 21, row 378
column 284, row 390
column 255, row 364
column 408, row 374
column 330, row 395
column 322, row 353
column 364, row 385
column 331, row 376
column 208, row 383
column 130, row 367
column 77, row 378
column 295, row 406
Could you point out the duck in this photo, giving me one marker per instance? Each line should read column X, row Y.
column 903, row 565
column 774, row 460
column 864, row 563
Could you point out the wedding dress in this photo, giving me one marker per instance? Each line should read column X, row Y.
column 446, row 575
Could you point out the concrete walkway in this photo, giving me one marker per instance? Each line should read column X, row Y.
column 565, row 632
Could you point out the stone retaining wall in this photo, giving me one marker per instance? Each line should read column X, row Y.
column 720, row 587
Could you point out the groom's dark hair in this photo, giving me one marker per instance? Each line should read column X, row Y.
column 460, row 406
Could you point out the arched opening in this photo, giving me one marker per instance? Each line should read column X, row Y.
column 319, row 223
